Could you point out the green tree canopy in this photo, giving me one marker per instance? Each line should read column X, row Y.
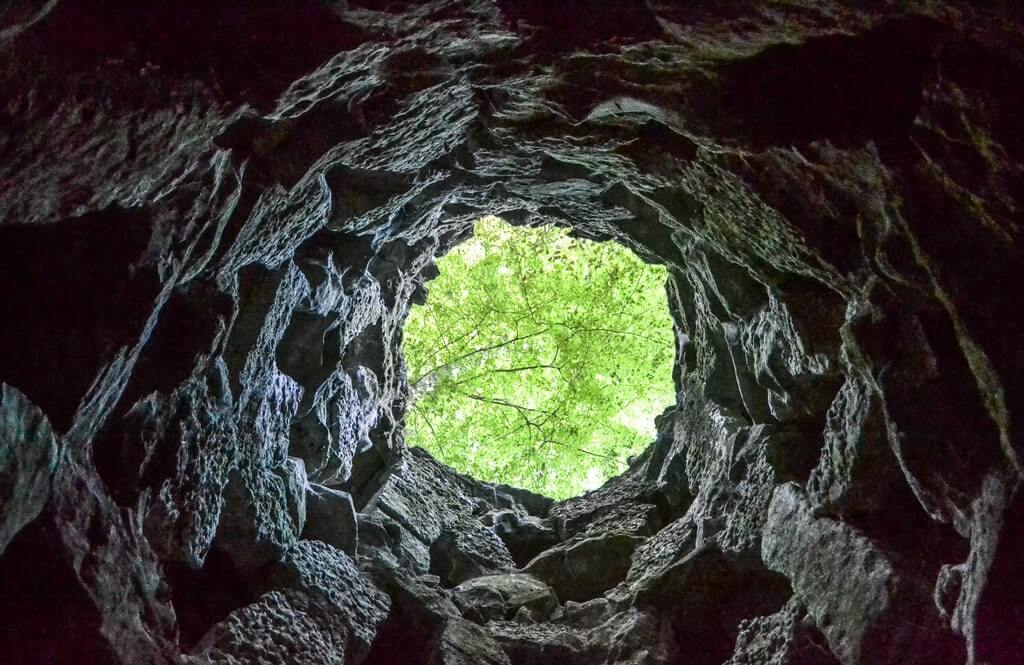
column 539, row 360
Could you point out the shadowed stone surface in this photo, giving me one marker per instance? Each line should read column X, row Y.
column 501, row 597
column 581, row 569
column 839, row 573
column 29, row 455
column 214, row 217
column 331, row 518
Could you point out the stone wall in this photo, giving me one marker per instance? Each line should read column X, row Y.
column 214, row 217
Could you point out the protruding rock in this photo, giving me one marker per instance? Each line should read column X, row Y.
column 584, row 568
column 788, row 637
column 317, row 568
column 331, row 518
column 323, row 610
column 853, row 590
column 468, row 549
column 629, row 638
column 525, row 536
column 983, row 597
column 493, row 597
column 293, row 475
column 465, row 643
column 280, row 627
column 258, row 522
column 29, row 455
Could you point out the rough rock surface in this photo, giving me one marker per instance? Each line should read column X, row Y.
column 502, row 596
column 28, row 460
column 581, row 569
column 215, row 215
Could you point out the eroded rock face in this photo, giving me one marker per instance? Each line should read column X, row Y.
column 214, row 217
column 29, row 456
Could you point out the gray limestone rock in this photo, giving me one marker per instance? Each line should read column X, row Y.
column 29, row 455
column 468, row 549
column 853, row 591
column 525, row 536
column 503, row 596
column 259, row 520
column 630, row 638
column 465, row 643
column 788, row 637
column 318, row 569
column 583, row 568
column 215, row 217
column 280, row 627
column 331, row 518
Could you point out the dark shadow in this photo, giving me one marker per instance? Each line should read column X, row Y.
column 71, row 295
column 203, row 598
column 214, row 41
column 845, row 89
column 46, row 617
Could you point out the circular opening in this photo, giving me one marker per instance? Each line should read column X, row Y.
column 539, row 360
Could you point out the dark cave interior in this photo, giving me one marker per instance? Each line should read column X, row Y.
column 214, row 217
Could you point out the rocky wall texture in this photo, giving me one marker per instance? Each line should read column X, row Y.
column 214, row 217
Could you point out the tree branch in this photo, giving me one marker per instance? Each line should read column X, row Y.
column 451, row 363
column 498, row 402
column 586, row 452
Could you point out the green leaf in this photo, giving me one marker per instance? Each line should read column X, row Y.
column 532, row 352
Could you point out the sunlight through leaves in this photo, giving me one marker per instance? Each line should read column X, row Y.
column 539, row 360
